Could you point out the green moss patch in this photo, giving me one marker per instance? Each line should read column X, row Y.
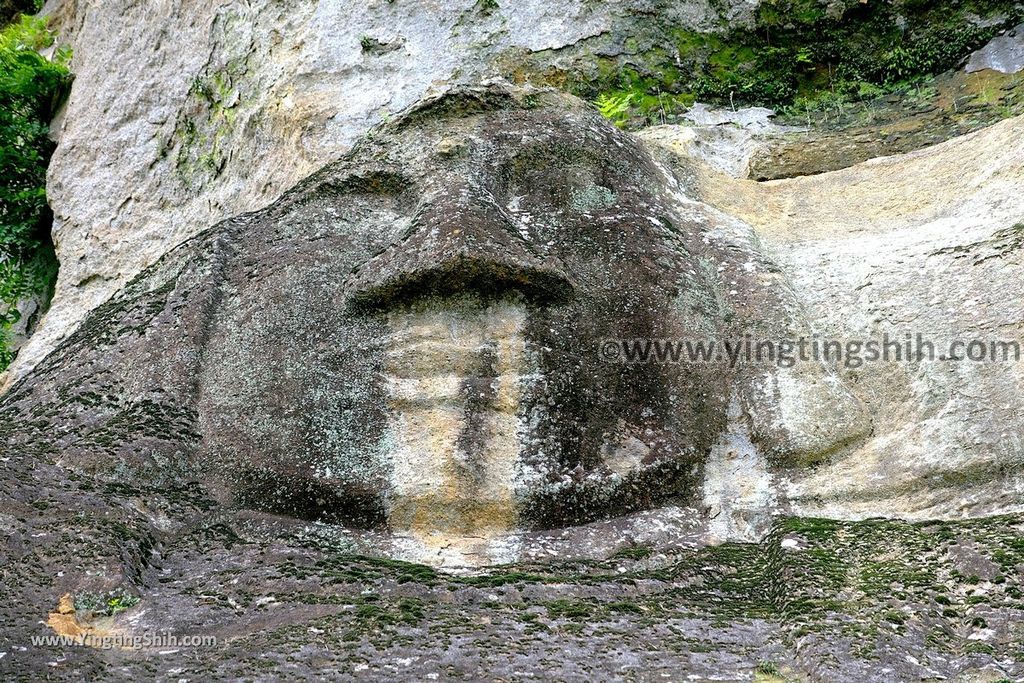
column 801, row 55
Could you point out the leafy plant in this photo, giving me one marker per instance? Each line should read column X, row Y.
column 809, row 55
column 614, row 106
column 105, row 604
column 485, row 7
column 31, row 89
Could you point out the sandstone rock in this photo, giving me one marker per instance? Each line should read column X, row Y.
column 926, row 243
column 391, row 349
column 216, row 109
column 917, row 116
column 215, row 438
column 414, row 335
column 727, row 140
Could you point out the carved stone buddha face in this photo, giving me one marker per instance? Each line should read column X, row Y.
column 411, row 338
column 421, row 335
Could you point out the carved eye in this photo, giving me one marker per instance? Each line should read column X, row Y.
column 555, row 181
column 378, row 190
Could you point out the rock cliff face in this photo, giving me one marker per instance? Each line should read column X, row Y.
column 922, row 244
column 342, row 369
column 215, row 109
column 401, row 358
column 478, row 254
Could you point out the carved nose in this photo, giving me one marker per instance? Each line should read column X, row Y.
column 460, row 240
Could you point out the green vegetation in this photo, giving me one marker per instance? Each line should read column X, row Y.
column 853, row 589
column 31, row 88
column 105, row 604
column 203, row 129
column 486, row 7
column 802, row 56
column 635, row 552
column 614, row 106
column 10, row 9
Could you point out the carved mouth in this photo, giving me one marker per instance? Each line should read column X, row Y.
column 456, row 369
column 379, row 285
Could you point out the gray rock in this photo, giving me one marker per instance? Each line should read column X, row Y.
column 1004, row 53
column 723, row 138
column 216, row 109
column 420, row 333
column 242, row 440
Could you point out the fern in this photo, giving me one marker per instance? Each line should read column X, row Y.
column 614, row 106
column 31, row 88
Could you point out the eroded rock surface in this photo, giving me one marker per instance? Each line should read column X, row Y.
column 1004, row 54
column 400, row 358
column 760, row 144
column 926, row 244
column 412, row 339
column 215, row 109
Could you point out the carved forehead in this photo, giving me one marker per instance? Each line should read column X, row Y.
column 487, row 133
column 464, row 102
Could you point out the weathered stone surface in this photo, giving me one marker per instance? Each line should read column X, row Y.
column 400, row 358
column 215, row 109
column 727, row 140
column 926, row 243
column 951, row 105
column 817, row 600
column 414, row 335
column 1004, row 54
